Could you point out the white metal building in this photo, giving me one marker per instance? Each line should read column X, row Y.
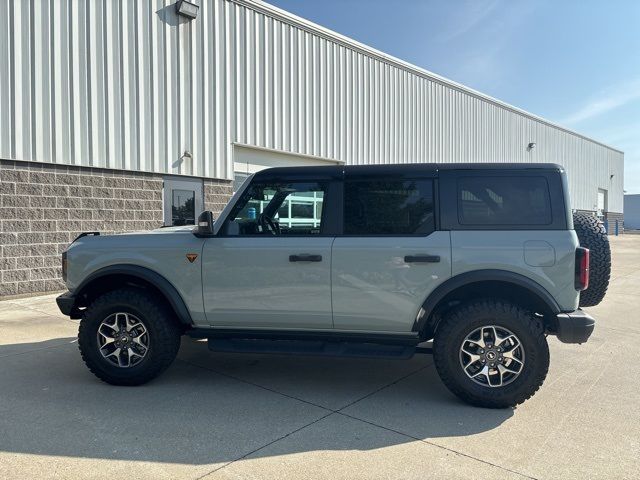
column 130, row 89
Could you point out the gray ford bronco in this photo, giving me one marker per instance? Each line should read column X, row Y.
column 475, row 263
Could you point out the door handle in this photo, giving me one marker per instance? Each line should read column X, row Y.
column 422, row 258
column 305, row 257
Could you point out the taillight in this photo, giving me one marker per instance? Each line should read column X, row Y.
column 582, row 268
column 64, row 266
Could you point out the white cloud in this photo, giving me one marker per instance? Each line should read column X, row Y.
column 469, row 16
column 607, row 100
column 481, row 61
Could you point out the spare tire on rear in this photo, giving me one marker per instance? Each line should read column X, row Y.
column 592, row 235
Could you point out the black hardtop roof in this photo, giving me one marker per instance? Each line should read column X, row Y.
column 398, row 169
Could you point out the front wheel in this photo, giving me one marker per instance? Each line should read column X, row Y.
column 126, row 337
column 491, row 354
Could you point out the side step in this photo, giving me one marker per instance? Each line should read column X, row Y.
column 311, row 347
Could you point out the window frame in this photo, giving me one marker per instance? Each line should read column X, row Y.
column 449, row 208
column 172, row 182
column 328, row 221
column 410, row 175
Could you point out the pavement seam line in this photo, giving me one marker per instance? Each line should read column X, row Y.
column 384, row 386
column 247, row 382
column 438, row 446
column 329, row 410
column 233, row 377
column 267, row 444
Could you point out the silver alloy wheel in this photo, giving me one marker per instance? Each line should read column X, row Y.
column 492, row 356
column 123, row 339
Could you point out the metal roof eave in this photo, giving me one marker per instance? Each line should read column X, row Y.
column 311, row 27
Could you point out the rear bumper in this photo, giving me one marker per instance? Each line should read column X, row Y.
column 67, row 305
column 574, row 327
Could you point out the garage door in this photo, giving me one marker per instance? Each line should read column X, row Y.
column 249, row 160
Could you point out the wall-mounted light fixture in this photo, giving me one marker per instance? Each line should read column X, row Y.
column 531, row 146
column 187, row 9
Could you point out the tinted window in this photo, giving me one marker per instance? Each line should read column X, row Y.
column 388, row 207
column 503, row 201
column 280, row 209
column 183, row 210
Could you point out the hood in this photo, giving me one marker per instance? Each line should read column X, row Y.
column 157, row 231
column 160, row 231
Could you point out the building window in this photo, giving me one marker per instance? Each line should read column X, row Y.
column 183, row 208
column 504, row 201
column 388, row 207
column 183, row 200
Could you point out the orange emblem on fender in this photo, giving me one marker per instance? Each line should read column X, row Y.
column 192, row 257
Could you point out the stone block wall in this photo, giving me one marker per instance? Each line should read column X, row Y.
column 216, row 195
column 43, row 207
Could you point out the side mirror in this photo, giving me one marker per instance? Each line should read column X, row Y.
column 205, row 224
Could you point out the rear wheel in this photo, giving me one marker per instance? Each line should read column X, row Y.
column 491, row 354
column 126, row 337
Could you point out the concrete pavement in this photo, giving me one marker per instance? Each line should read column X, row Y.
column 229, row 416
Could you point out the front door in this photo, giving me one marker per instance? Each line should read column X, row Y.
column 270, row 266
column 389, row 257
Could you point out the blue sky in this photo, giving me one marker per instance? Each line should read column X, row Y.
column 574, row 62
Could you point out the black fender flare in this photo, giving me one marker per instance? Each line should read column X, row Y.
column 165, row 287
column 478, row 276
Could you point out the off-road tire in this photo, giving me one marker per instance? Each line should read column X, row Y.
column 462, row 320
column 592, row 235
column 164, row 336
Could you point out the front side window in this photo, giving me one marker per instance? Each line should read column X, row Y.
column 388, row 207
column 504, row 201
column 279, row 209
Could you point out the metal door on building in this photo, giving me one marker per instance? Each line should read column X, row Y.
column 183, row 200
column 602, row 204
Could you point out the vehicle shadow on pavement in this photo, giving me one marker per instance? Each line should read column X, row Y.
column 211, row 408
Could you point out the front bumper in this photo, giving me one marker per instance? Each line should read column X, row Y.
column 574, row 327
column 67, row 305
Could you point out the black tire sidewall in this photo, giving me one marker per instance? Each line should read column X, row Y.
column 464, row 320
column 147, row 310
column 592, row 235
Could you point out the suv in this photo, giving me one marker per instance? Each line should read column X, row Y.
column 481, row 260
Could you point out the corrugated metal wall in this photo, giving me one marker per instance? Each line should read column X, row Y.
column 128, row 84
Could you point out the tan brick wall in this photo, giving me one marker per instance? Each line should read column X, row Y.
column 44, row 207
column 216, row 195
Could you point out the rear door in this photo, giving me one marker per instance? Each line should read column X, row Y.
column 512, row 220
column 390, row 255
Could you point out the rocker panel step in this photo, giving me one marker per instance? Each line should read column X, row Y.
column 311, row 347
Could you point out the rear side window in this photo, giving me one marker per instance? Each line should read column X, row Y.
column 489, row 200
column 388, row 207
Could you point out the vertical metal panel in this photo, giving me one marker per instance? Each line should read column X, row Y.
column 129, row 84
